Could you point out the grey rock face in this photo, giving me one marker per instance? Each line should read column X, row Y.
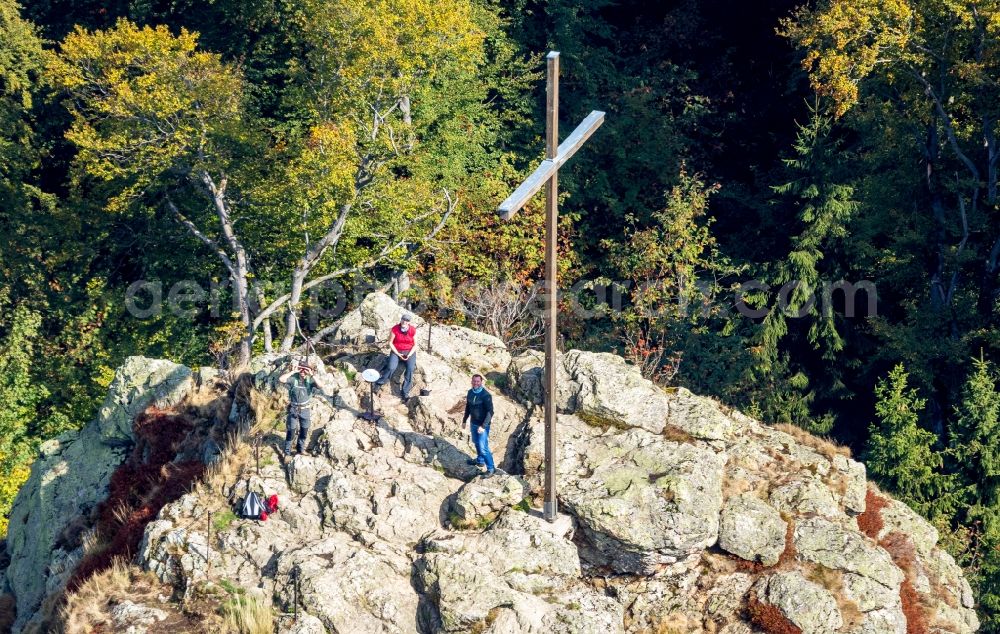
column 823, row 542
column 71, row 476
column 674, row 509
column 752, row 529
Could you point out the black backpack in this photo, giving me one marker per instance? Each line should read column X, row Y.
column 252, row 506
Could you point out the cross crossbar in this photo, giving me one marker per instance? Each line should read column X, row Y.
column 548, row 167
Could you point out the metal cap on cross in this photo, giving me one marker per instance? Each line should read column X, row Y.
column 556, row 154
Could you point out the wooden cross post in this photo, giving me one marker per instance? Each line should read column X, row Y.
column 556, row 155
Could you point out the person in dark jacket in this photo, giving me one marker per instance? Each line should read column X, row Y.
column 479, row 412
column 301, row 388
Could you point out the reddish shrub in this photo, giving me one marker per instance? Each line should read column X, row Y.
column 870, row 522
column 788, row 555
column 900, row 548
column 139, row 488
column 770, row 619
column 913, row 609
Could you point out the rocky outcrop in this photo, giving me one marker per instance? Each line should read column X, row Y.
column 70, row 477
column 677, row 514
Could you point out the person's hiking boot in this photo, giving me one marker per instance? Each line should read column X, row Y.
column 489, row 474
column 288, row 450
column 403, row 399
column 472, row 461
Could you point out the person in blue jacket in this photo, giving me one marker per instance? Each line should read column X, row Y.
column 479, row 412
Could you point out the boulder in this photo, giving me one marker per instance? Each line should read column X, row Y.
column 899, row 517
column 752, row 529
column 805, row 604
column 642, row 500
column 481, row 499
column 131, row 618
column 521, row 563
column 855, row 488
column 805, row 495
column 371, row 321
column 347, row 587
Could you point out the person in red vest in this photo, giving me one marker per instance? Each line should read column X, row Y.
column 402, row 348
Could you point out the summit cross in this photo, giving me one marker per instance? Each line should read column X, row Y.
column 556, row 154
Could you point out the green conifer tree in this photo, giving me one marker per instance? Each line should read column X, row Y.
column 900, row 453
column 974, row 443
column 822, row 206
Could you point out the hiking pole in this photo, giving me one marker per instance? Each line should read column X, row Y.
column 256, row 451
column 208, row 544
column 295, row 594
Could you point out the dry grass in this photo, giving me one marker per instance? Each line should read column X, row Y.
column 89, row 606
column 870, row 522
column 674, row 433
column 482, row 626
column 822, row 446
column 209, row 402
column 268, row 408
column 838, row 482
column 222, row 475
column 247, row 614
column 674, row 623
column 733, row 486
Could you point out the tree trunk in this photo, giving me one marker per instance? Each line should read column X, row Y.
column 241, row 265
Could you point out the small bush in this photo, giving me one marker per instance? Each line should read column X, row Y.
column 139, row 488
column 788, row 555
column 913, row 610
column 223, row 521
column 904, row 555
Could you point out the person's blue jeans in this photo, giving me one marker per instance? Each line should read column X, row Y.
column 390, row 369
column 482, row 442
